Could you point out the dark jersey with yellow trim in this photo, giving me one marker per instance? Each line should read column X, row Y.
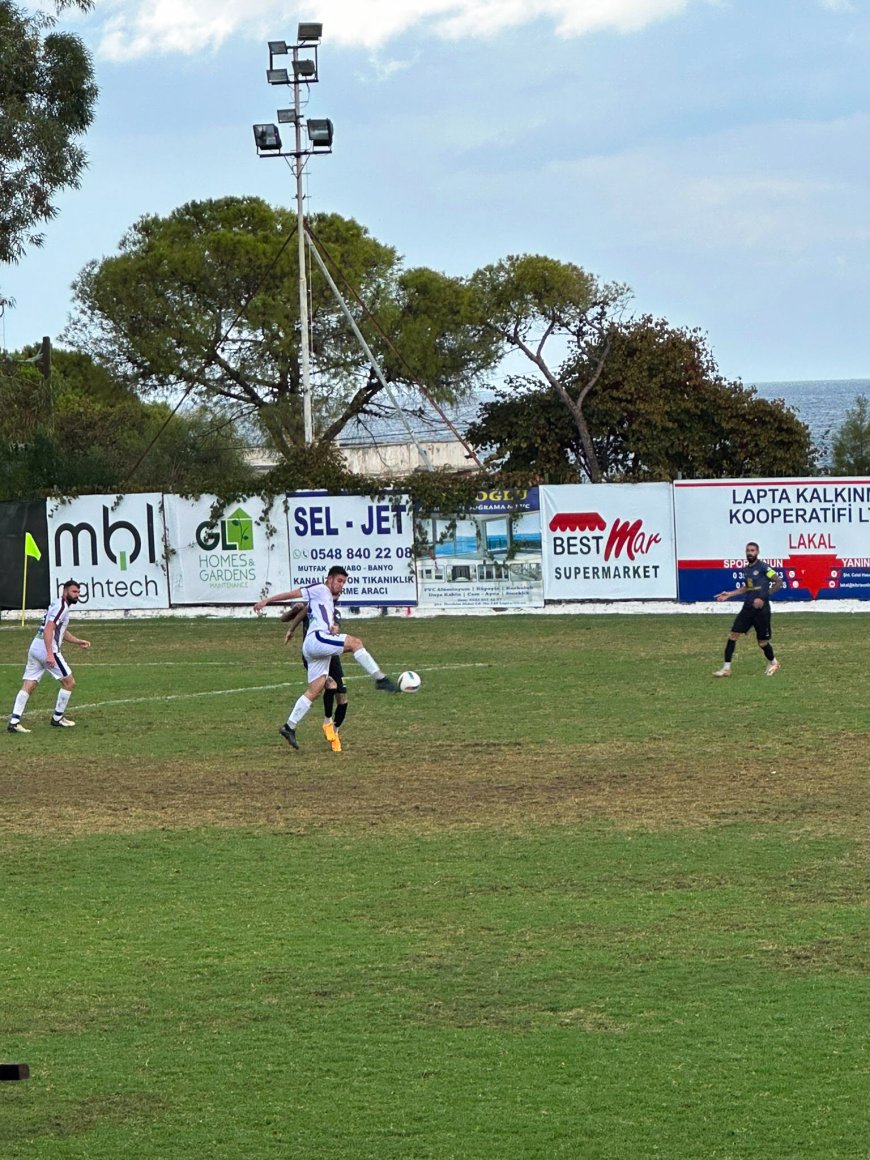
column 758, row 578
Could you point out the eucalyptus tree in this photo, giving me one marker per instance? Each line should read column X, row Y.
column 559, row 318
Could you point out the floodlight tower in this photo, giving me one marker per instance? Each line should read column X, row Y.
column 302, row 71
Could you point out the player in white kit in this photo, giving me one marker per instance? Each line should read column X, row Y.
column 323, row 641
column 44, row 656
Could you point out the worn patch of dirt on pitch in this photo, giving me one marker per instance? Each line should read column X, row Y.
column 460, row 785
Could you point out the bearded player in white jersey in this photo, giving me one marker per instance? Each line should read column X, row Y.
column 323, row 641
column 44, row 656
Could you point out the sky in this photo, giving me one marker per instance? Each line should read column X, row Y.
column 710, row 154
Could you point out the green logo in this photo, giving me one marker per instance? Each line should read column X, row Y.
column 238, row 531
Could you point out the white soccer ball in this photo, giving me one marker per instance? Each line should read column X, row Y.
column 409, row 682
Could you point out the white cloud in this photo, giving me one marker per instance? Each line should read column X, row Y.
column 384, row 69
column 138, row 28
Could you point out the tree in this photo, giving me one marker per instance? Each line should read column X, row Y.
column 47, row 98
column 658, row 410
column 206, row 301
column 85, row 432
column 851, row 442
column 535, row 304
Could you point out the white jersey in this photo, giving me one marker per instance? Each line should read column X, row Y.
column 321, row 608
column 58, row 614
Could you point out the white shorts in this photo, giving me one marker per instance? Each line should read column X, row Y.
column 319, row 649
column 35, row 666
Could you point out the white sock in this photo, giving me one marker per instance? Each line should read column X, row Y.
column 363, row 657
column 20, row 702
column 63, row 697
column 299, row 710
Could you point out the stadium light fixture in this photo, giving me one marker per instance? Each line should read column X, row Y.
column 277, row 76
column 267, row 138
column 278, row 48
column 304, row 69
column 320, row 133
column 309, row 33
column 286, row 116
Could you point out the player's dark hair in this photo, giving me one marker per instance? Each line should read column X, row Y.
column 336, row 570
column 752, row 544
column 69, row 584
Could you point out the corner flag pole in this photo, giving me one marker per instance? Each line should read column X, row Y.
column 31, row 548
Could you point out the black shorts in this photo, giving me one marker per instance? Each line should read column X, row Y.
column 751, row 617
column 337, row 674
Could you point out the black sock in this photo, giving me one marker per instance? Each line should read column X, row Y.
column 328, row 702
column 729, row 649
column 340, row 714
column 768, row 651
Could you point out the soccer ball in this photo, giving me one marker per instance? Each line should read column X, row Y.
column 409, row 682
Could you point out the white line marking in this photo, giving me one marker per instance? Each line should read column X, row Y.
column 126, row 664
column 172, row 697
column 79, row 707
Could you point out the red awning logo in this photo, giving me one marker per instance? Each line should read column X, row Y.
column 578, row 522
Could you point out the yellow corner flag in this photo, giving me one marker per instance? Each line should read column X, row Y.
column 31, row 548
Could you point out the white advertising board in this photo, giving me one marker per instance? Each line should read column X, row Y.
column 816, row 532
column 372, row 539
column 490, row 558
column 114, row 546
column 232, row 556
column 608, row 542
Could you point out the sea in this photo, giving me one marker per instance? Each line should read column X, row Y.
column 820, row 403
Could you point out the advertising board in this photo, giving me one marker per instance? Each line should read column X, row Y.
column 490, row 558
column 114, row 546
column 816, row 532
column 372, row 539
column 233, row 555
column 608, row 542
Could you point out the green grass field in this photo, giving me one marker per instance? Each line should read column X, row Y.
column 575, row 898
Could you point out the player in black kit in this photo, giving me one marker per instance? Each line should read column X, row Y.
column 760, row 581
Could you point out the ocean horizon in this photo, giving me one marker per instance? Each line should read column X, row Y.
column 820, row 403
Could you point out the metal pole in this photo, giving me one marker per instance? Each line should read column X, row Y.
column 366, row 349
column 304, row 349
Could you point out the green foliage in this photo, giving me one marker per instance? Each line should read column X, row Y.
column 47, row 100
column 435, row 336
column 442, row 493
column 85, row 433
column 851, row 441
column 207, row 299
column 529, row 297
column 658, row 410
column 527, row 428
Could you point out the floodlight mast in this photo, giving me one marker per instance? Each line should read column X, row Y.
column 303, row 71
column 304, row 343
